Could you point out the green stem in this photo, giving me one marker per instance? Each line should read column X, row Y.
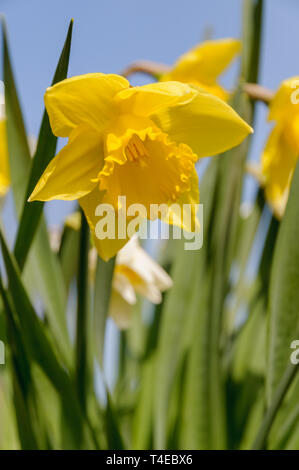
column 82, row 311
column 278, row 398
column 102, row 292
column 252, row 35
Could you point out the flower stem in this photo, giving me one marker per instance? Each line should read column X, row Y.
column 147, row 67
column 258, row 92
column 82, row 313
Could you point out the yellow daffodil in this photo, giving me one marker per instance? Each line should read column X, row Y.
column 4, row 167
column 135, row 273
column 281, row 152
column 203, row 64
column 141, row 143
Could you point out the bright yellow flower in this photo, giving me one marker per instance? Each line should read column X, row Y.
column 282, row 149
column 4, row 167
column 139, row 142
column 203, row 64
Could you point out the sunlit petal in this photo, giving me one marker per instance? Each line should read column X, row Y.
column 83, row 99
column 72, row 173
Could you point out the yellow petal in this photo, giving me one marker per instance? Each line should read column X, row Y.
column 73, row 172
column 83, row 99
column 4, row 166
column 206, row 61
column 134, row 262
column 285, row 102
column 207, row 124
column 149, row 99
column 122, row 284
column 120, row 310
column 214, row 89
column 278, row 163
column 108, row 247
column 136, row 271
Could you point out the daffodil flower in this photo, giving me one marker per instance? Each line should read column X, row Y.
column 139, row 142
column 281, row 152
column 135, row 273
column 203, row 64
column 4, row 166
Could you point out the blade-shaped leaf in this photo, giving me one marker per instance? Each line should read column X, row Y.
column 284, row 292
column 82, row 331
column 42, row 267
column 114, row 438
column 21, row 377
column 41, row 351
column 45, row 151
column 102, row 291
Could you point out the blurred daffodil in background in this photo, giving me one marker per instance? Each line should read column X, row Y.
column 204, row 63
column 4, row 166
column 135, row 273
column 123, row 138
column 281, row 152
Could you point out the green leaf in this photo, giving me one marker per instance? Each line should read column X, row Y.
column 276, row 403
column 204, row 280
column 114, row 438
column 68, row 254
column 245, row 383
column 24, row 396
column 177, row 327
column 9, row 438
column 82, row 314
column 42, row 268
column 102, row 292
column 284, row 292
column 41, row 351
column 142, row 425
column 252, row 35
column 45, row 151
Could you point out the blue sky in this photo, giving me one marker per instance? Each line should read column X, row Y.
column 109, row 34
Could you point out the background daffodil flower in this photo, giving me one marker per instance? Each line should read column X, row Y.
column 139, row 142
column 135, row 273
column 281, row 152
column 203, row 64
column 4, row 166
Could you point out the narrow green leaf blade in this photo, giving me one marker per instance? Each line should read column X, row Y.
column 102, row 292
column 82, row 314
column 284, row 292
column 41, row 351
column 115, row 440
column 42, row 268
column 45, row 151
